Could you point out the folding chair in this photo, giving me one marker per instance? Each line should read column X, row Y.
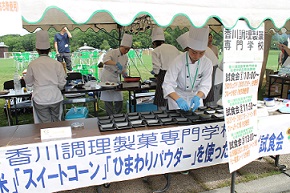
column 16, row 104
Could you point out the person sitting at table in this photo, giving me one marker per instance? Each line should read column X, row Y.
column 115, row 64
column 48, row 78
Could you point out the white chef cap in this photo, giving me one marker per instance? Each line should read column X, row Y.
column 127, row 40
column 42, row 40
column 157, row 34
column 198, row 38
column 182, row 40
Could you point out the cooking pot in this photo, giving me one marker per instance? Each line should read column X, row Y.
column 132, row 79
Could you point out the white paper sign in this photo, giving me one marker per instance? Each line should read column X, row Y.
column 10, row 17
column 49, row 134
column 243, row 54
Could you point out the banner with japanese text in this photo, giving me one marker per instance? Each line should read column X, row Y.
column 74, row 163
column 243, row 55
column 10, row 17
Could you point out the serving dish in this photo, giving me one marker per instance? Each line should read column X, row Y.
column 108, row 84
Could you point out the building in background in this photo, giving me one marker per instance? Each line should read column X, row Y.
column 3, row 49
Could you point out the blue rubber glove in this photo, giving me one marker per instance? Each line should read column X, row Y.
column 182, row 104
column 195, row 103
column 119, row 66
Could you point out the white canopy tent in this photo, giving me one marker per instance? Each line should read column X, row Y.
column 107, row 14
column 128, row 15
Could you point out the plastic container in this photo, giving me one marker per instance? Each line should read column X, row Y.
column 17, row 84
column 269, row 102
column 77, row 113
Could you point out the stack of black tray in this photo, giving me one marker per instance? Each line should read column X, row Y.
column 159, row 118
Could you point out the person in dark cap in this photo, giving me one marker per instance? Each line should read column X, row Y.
column 48, row 78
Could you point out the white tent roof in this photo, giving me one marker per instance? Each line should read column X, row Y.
column 107, row 14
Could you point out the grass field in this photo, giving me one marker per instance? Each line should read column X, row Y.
column 142, row 69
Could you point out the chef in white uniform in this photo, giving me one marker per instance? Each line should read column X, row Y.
column 188, row 80
column 162, row 56
column 182, row 41
column 115, row 64
column 48, row 78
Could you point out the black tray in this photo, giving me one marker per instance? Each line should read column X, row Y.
column 158, row 112
column 210, row 112
column 205, row 116
column 194, row 118
column 149, row 116
column 138, row 123
column 132, row 118
column 153, row 122
column 182, row 120
column 168, row 121
column 171, row 111
column 104, row 118
column 102, row 122
column 185, row 113
column 160, row 116
column 123, row 125
column 202, row 108
column 107, row 127
column 119, row 119
column 133, row 114
column 118, row 115
column 174, row 114
column 146, row 113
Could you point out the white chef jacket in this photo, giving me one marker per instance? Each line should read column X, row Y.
column 111, row 73
column 162, row 56
column 48, row 78
column 179, row 78
column 211, row 55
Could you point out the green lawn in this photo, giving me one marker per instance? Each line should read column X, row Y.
column 8, row 68
column 142, row 69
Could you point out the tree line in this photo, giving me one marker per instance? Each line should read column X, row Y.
column 101, row 40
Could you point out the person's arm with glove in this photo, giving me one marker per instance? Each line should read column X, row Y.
column 195, row 101
column 182, row 104
column 119, row 66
